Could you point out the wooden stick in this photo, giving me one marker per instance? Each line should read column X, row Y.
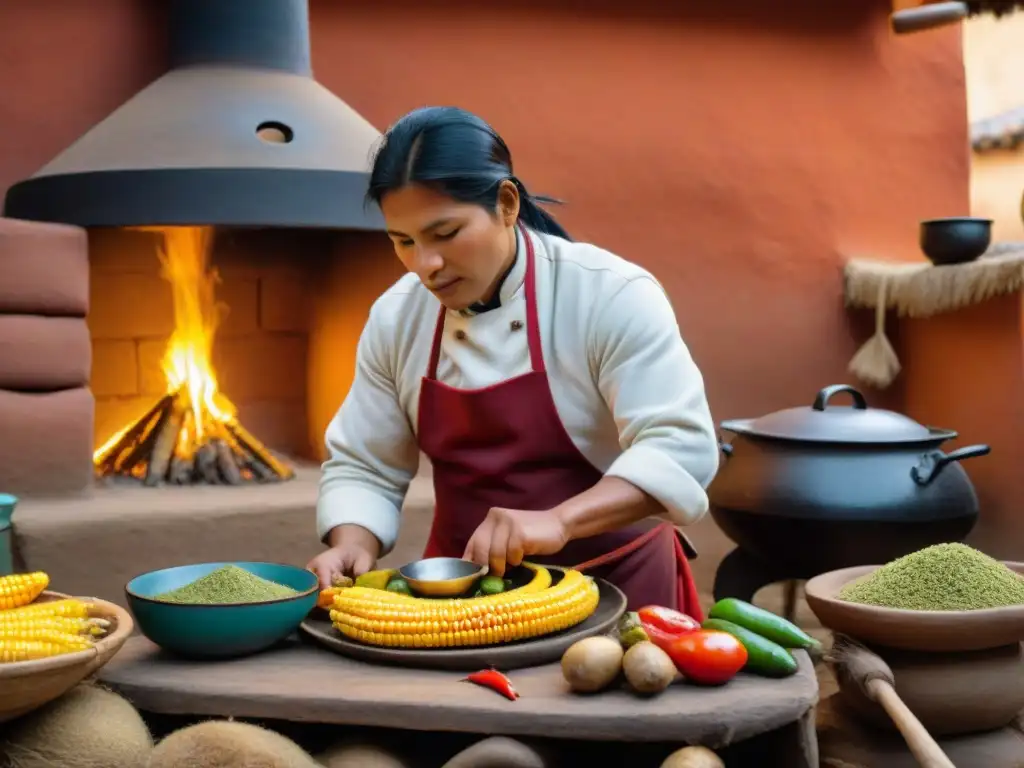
column 180, row 472
column 143, row 447
column 875, row 677
column 924, row 748
column 226, row 462
column 254, row 447
column 109, row 464
column 163, row 448
column 262, row 471
column 206, row 464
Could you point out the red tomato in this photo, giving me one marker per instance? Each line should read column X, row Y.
column 659, row 637
column 707, row 657
column 667, row 620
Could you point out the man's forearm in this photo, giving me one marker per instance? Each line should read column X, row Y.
column 611, row 504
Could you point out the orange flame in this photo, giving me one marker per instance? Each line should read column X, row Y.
column 187, row 362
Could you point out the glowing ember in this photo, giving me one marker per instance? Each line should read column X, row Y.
column 190, row 435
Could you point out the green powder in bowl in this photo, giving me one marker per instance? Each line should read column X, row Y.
column 944, row 577
column 228, row 584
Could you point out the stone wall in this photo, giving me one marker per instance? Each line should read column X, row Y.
column 46, row 408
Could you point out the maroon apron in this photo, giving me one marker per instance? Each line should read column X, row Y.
column 505, row 446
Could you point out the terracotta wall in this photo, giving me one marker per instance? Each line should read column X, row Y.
column 740, row 154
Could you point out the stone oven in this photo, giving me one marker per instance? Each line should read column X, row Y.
column 173, row 300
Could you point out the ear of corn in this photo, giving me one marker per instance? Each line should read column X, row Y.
column 17, row 649
column 62, row 624
column 396, row 620
column 326, row 598
column 69, row 607
column 31, row 630
column 21, row 589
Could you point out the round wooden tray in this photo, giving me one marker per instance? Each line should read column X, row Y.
column 27, row 685
column 526, row 653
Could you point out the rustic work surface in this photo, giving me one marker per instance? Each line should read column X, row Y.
column 301, row 682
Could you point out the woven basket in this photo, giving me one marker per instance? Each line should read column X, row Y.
column 27, row 685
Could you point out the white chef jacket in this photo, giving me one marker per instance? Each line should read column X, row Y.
column 627, row 390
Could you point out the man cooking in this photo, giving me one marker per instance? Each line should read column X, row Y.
column 545, row 379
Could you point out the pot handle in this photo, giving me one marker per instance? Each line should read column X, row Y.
column 821, row 401
column 933, row 462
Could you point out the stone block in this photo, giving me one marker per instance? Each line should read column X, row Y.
column 44, row 268
column 47, row 442
column 115, row 368
column 130, row 306
column 239, row 306
column 285, row 303
column 119, row 249
column 278, row 424
column 43, row 354
column 262, row 367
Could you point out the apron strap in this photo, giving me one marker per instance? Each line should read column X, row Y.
column 624, row 551
column 532, row 321
column 435, row 349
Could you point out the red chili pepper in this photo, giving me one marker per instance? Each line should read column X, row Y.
column 496, row 681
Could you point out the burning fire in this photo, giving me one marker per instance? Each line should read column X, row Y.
column 192, row 434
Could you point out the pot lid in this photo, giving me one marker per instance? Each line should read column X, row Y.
column 827, row 423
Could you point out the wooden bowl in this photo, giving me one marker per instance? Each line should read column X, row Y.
column 940, row 631
column 27, row 685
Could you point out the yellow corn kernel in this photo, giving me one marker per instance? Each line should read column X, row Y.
column 326, row 597
column 21, row 589
column 13, row 649
column 11, row 621
column 389, row 619
column 69, row 607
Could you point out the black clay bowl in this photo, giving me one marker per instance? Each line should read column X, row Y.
column 956, row 240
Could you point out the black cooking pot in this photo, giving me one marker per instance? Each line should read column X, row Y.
column 814, row 489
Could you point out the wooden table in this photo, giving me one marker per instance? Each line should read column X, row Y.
column 302, row 682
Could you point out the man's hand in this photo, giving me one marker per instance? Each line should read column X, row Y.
column 354, row 551
column 506, row 536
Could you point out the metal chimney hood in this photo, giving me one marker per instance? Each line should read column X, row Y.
column 237, row 133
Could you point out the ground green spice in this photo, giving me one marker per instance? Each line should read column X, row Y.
column 228, row 584
column 944, row 577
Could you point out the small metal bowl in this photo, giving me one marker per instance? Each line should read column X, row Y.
column 442, row 576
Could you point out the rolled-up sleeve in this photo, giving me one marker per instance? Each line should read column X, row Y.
column 372, row 452
column 655, row 391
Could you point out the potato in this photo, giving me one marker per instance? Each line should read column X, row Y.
column 358, row 754
column 648, row 669
column 693, row 757
column 500, row 752
column 591, row 664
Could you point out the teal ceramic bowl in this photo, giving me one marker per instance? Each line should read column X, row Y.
column 219, row 631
